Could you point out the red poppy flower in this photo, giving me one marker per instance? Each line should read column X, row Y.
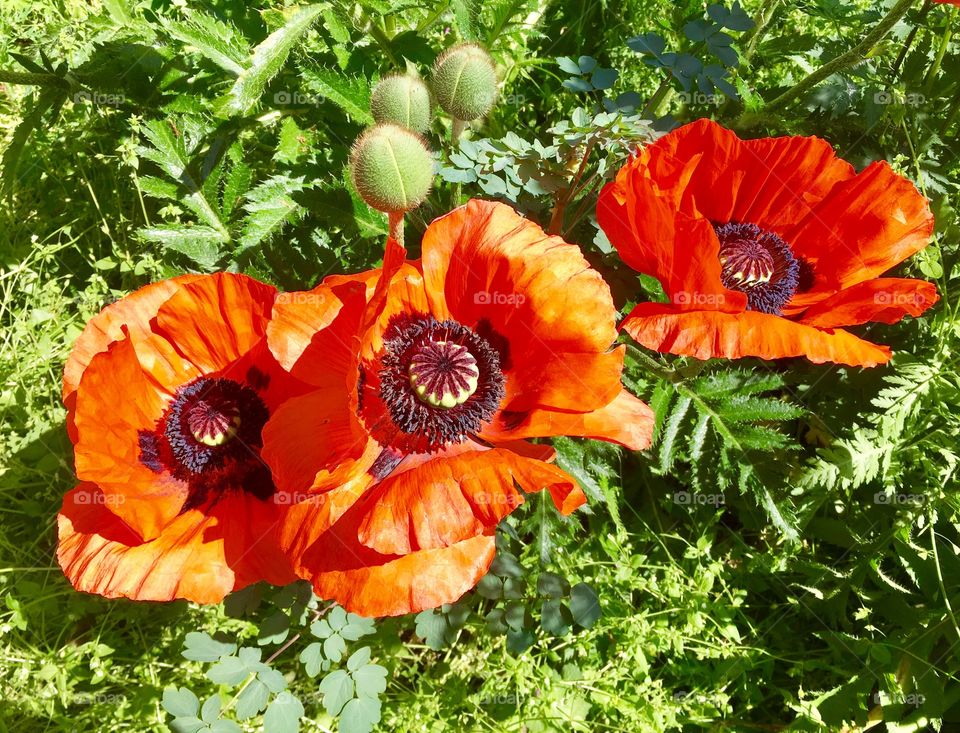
column 167, row 392
column 765, row 247
column 499, row 334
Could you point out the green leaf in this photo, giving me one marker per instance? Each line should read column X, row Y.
column 210, row 710
column 358, row 658
column 274, row 629
column 291, row 141
column 357, row 626
column 312, row 658
column 552, row 585
column 337, row 618
column 273, row 679
column 267, row 60
column 180, row 702
column 270, row 208
column 225, row 726
column 252, row 700
column 283, row 715
column 350, row 93
column 467, row 16
column 555, row 617
column 337, row 690
column 584, row 605
column 201, row 647
column 228, row 671
column 334, row 647
column 187, row 725
column 370, row 680
column 200, row 243
column 432, row 627
column 214, row 39
column 360, row 715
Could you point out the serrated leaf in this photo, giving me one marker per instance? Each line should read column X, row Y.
column 270, row 208
column 267, row 60
column 351, row 94
column 218, row 41
column 199, row 243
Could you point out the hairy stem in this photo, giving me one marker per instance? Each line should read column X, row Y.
column 396, row 226
column 845, row 60
column 751, row 38
column 24, row 77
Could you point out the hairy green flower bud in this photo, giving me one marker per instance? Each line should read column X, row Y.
column 391, row 168
column 464, row 81
column 403, row 100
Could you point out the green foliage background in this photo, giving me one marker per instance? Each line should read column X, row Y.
column 786, row 556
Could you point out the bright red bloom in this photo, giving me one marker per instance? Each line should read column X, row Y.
column 167, row 393
column 405, row 463
column 765, row 247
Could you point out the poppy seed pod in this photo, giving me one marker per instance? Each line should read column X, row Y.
column 403, row 100
column 464, row 81
column 391, row 168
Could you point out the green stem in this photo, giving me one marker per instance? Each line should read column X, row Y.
column 941, row 52
column 844, row 61
column 395, row 219
column 901, row 57
column 382, row 40
column 23, row 77
column 751, row 39
column 943, row 589
column 564, row 197
column 653, row 366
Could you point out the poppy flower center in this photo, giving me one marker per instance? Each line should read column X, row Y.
column 209, row 436
column 443, row 374
column 759, row 264
column 438, row 382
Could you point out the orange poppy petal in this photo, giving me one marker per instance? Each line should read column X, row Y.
column 314, row 441
column 486, row 266
column 771, row 182
column 450, row 499
column 862, row 228
column 133, row 312
column 710, row 334
column 643, row 223
column 116, row 399
column 198, row 557
column 216, row 319
column 314, row 334
column 886, row 300
column 626, row 420
column 380, row 585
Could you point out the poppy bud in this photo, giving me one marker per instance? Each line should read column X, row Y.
column 391, row 168
column 464, row 81
column 403, row 100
